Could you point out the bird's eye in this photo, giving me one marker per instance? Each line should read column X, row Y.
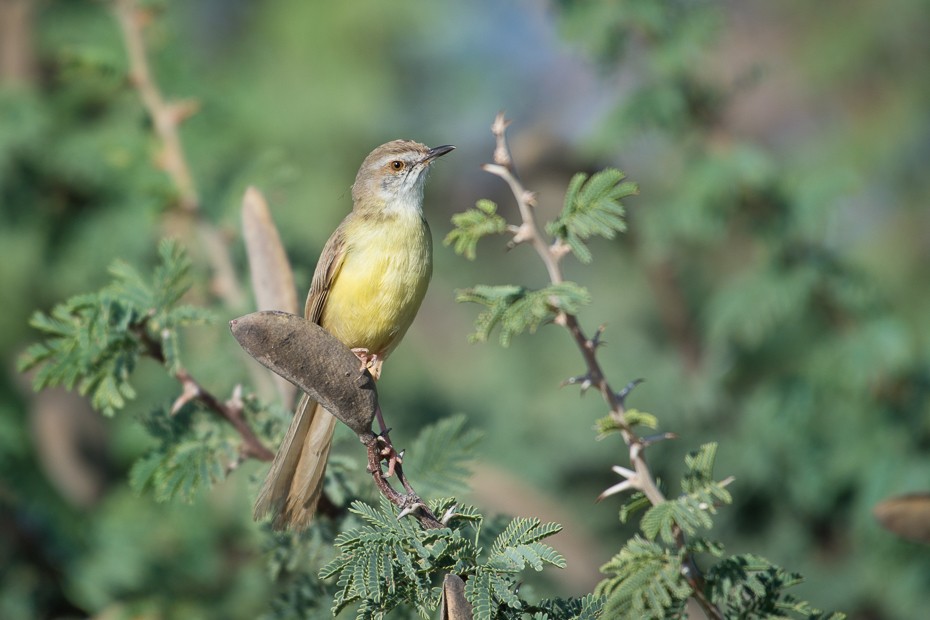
column 397, row 164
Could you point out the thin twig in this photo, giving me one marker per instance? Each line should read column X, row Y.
column 252, row 447
column 167, row 117
column 551, row 255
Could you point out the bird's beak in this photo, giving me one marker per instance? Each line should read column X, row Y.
column 439, row 151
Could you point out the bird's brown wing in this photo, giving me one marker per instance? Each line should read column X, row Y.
column 327, row 268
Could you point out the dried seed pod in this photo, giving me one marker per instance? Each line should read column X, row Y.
column 315, row 361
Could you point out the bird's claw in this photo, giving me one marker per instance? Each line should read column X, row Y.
column 364, row 356
column 389, row 454
column 369, row 361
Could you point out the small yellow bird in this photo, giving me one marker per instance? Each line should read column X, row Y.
column 366, row 290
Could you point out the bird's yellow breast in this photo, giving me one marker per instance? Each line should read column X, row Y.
column 384, row 275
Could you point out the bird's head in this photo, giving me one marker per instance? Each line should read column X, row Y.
column 392, row 176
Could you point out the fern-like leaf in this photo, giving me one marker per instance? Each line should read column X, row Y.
column 591, row 208
column 192, row 453
column 645, row 582
column 693, row 509
column 519, row 309
column 94, row 341
column 472, row 225
column 440, row 454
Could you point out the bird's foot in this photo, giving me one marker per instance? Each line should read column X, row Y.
column 368, row 360
column 389, row 454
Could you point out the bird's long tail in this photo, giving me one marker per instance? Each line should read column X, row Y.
column 293, row 485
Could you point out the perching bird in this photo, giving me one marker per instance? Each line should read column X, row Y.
column 366, row 290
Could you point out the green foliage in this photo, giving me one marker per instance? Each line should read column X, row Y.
column 633, row 418
column 591, row 208
column 192, row 453
column 648, row 578
column 294, row 559
column 585, row 608
column 518, row 309
column 645, row 582
column 391, row 561
column 794, row 247
column 439, row 456
column 637, row 501
column 94, row 341
column 473, row 224
column 693, row 509
column 747, row 586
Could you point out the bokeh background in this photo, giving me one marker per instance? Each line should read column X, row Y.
column 773, row 288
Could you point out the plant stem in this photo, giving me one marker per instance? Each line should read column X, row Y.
column 551, row 255
column 252, row 447
column 167, row 117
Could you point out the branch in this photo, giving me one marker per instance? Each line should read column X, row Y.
column 409, row 503
column 551, row 255
column 167, row 117
column 328, row 372
column 231, row 411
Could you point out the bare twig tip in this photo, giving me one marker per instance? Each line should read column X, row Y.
column 500, row 124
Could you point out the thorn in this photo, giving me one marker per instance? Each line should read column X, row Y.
column 182, row 110
column 235, row 401
column 574, row 380
column 651, row 439
column 727, row 481
column 500, row 171
column 584, row 380
column 448, row 514
column 516, row 589
column 410, row 510
column 529, row 197
column 595, row 341
column 621, row 396
column 629, row 474
column 631, row 482
column 617, row 488
column 400, row 456
column 191, row 391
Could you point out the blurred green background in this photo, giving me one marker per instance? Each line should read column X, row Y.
column 773, row 289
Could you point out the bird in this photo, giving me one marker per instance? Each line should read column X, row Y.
column 366, row 290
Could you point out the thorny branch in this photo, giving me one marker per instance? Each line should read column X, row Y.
column 409, row 502
column 167, row 117
column 231, row 411
column 551, row 255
